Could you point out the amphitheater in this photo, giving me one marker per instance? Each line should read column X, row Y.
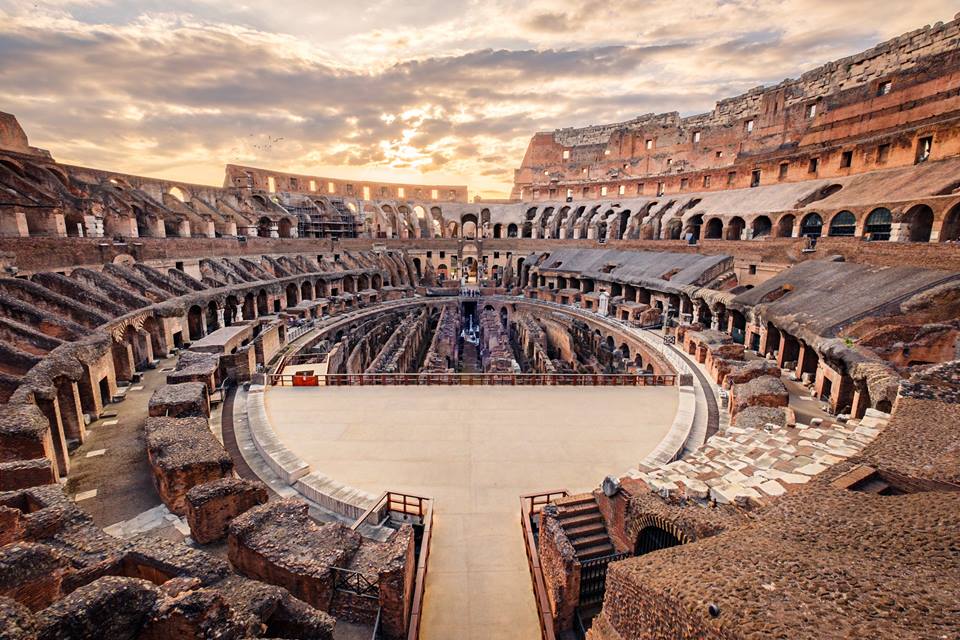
column 698, row 378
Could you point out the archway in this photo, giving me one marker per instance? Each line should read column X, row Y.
column 263, row 307
column 291, row 292
column 811, row 226
column 714, row 230
column 761, row 226
column 213, row 316
column 920, row 219
column 735, row 228
column 950, row 231
column 878, row 225
column 263, row 227
column 511, row 230
column 843, row 225
column 785, row 226
column 653, row 538
column 284, row 228
column 195, row 322
column 306, row 291
column 692, row 230
column 497, row 230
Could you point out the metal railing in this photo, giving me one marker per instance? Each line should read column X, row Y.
column 474, row 379
column 530, row 507
column 354, row 582
column 415, row 510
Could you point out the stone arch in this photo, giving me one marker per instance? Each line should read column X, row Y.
column 843, row 224
column 230, row 310
column 195, row 322
column 263, row 305
column 878, row 224
column 158, row 342
column 213, row 316
column 263, row 227
column 171, row 227
column 453, row 229
column 761, row 226
column 306, row 290
column 950, row 230
column 512, row 230
column 693, row 226
column 249, row 306
column 177, row 193
column 285, row 228
column 652, row 541
column 674, row 229
column 785, row 225
column 497, row 230
column 291, row 294
column 74, row 223
column 469, row 224
column 714, row 229
column 811, row 226
column 920, row 221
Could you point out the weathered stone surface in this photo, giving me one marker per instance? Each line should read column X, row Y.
column 110, row 607
column 183, row 453
column 212, row 505
column 278, row 543
column 182, row 400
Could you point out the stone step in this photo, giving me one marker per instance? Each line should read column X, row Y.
column 596, row 551
column 590, row 541
column 580, row 520
column 586, row 499
column 577, row 509
column 585, row 530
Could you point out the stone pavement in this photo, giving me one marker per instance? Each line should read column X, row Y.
column 749, row 466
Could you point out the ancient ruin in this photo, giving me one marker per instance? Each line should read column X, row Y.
column 716, row 357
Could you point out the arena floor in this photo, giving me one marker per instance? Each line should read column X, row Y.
column 475, row 450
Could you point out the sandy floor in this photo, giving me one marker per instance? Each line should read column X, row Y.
column 475, row 450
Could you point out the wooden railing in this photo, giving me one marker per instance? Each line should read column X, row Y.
column 418, row 511
column 530, row 507
column 474, row 379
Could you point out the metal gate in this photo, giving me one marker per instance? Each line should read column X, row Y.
column 593, row 578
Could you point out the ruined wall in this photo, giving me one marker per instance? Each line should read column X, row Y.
column 831, row 107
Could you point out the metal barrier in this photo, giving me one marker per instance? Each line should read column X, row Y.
column 417, row 511
column 307, row 379
column 530, row 507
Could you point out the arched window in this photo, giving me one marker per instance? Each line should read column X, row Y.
column 811, row 226
column 844, row 224
column 512, row 231
column 879, row 223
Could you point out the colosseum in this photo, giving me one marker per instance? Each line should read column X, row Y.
column 698, row 377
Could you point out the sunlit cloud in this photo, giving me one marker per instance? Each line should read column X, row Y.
column 438, row 91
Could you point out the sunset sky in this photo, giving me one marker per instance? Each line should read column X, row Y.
column 436, row 91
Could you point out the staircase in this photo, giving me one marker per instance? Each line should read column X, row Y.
column 581, row 520
column 471, row 358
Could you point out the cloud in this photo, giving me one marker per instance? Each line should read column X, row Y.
column 435, row 91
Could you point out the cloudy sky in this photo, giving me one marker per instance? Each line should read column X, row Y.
column 436, row 90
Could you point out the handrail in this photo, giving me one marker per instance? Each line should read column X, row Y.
column 528, row 504
column 416, row 609
column 474, row 379
column 422, row 508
